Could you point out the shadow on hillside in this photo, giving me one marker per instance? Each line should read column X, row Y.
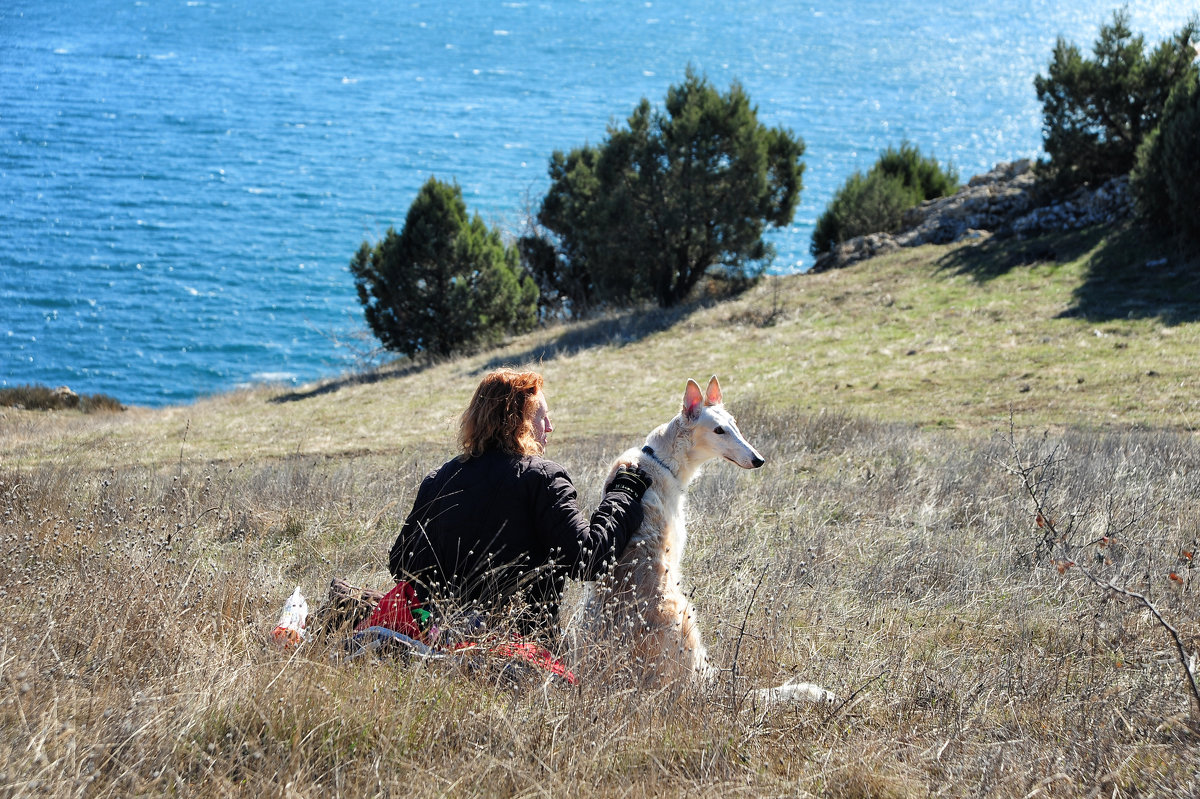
column 1135, row 275
column 377, row 375
column 998, row 256
column 1130, row 273
column 617, row 329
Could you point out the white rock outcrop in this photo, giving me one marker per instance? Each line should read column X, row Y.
column 1005, row 201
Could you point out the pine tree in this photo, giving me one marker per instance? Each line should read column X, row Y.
column 1096, row 112
column 445, row 282
column 667, row 198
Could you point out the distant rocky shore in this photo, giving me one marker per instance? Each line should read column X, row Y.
column 1005, row 201
column 43, row 398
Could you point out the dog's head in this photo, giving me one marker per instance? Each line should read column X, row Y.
column 715, row 434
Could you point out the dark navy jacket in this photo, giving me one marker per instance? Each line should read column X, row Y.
column 499, row 534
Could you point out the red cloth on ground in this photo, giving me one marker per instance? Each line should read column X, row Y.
column 516, row 649
column 394, row 611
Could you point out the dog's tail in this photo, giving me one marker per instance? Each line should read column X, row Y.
column 793, row 693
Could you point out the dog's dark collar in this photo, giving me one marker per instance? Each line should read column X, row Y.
column 649, row 450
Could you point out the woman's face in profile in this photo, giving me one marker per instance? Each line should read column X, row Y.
column 542, row 426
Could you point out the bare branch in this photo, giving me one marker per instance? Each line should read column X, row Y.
column 1180, row 649
column 1052, row 535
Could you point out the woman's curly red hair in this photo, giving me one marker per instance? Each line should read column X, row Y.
column 500, row 415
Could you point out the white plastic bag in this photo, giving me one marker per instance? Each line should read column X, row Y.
column 290, row 630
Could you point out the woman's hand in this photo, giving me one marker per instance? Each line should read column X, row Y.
column 629, row 480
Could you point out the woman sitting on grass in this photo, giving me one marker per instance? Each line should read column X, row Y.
column 495, row 532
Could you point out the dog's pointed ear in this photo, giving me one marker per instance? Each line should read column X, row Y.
column 712, row 395
column 692, row 400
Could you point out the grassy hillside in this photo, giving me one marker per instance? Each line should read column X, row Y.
column 952, row 337
column 953, row 435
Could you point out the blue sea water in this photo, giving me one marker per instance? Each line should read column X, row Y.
column 183, row 182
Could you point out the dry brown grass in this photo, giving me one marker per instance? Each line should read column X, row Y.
column 145, row 555
column 896, row 567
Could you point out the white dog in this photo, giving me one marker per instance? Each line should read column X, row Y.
column 642, row 598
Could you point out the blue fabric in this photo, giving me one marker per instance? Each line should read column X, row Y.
column 384, row 641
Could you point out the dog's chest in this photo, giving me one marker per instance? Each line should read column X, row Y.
column 659, row 544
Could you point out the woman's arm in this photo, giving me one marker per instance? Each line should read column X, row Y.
column 587, row 548
column 412, row 551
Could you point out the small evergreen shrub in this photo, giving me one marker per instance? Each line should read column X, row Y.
column 915, row 171
column 447, row 282
column 875, row 202
column 42, row 398
column 1166, row 180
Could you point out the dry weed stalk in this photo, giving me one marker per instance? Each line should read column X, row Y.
column 1037, row 481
